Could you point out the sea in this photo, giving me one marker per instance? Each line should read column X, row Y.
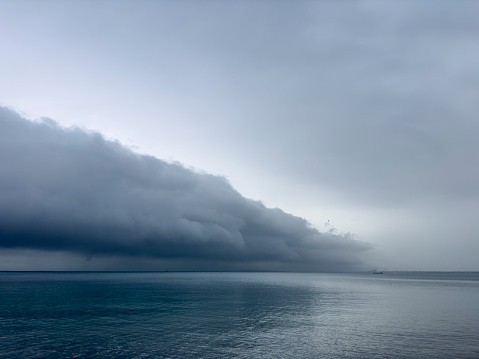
column 239, row 315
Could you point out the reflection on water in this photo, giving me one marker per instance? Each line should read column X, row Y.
column 243, row 315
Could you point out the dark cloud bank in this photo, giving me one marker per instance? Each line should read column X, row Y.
column 71, row 190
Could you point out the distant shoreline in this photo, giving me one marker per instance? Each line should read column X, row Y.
column 224, row 271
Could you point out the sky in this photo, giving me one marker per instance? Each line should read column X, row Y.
column 237, row 135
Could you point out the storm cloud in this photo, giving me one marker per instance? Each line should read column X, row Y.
column 70, row 189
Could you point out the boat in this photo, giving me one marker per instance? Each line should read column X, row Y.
column 376, row 272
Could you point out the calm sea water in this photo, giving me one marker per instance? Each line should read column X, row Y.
column 239, row 315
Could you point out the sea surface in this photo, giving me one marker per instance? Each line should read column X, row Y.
column 238, row 315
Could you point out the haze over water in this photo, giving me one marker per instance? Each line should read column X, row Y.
column 239, row 315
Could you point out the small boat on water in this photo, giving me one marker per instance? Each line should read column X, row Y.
column 376, row 272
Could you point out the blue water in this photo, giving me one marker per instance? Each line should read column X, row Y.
column 239, row 315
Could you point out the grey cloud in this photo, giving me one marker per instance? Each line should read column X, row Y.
column 380, row 106
column 372, row 101
column 69, row 189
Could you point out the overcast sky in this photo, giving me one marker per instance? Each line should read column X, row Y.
column 284, row 116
